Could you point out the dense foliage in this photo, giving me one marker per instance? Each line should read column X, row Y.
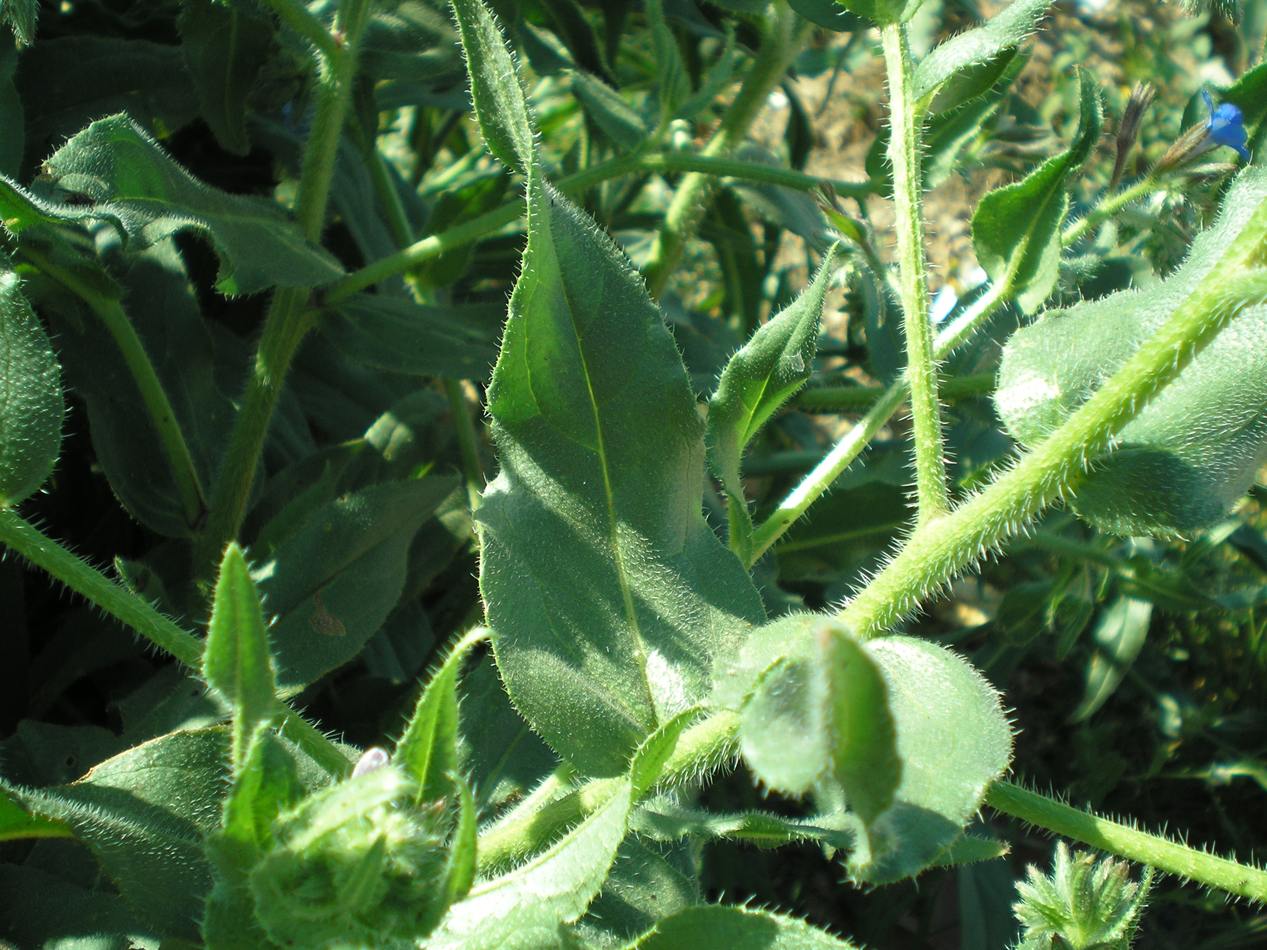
column 518, row 487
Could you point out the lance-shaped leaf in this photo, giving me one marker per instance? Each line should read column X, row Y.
column 459, row 869
column 335, row 580
column 428, row 751
column 16, row 823
column 614, row 117
column 968, row 64
column 21, row 16
column 526, row 907
column 137, row 186
column 1119, row 635
column 143, row 815
column 736, row 928
column 1016, row 229
column 607, row 593
column 669, row 821
column 225, row 47
column 31, row 404
column 674, row 83
column 236, row 661
column 496, row 92
column 1193, row 449
column 762, row 376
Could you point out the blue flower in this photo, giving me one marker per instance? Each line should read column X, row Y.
column 1226, row 125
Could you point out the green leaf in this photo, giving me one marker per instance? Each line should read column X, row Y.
column 68, row 81
column 819, row 710
column 736, row 928
column 966, row 65
column 335, row 580
column 614, row 117
column 669, row 821
column 401, row 336
column 525, row 907
column 674, row 85
column 496, row 92
column 225, row 48
column 236, row 661
column 50, row 910
column 882, row 12
column 1117, row 639
column 607, row 593
column 31, row 406
column 136, row 186
column 1193, row 450
column 17, row 824
column 21, row 16
column 647, row 882
column 953, row 741
column 828, row 14
column 428, row 751
column 459, row 871
column 143, row 815
column 1016, row 228
column 761, row 377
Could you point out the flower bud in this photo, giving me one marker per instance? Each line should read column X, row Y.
column 354, row 864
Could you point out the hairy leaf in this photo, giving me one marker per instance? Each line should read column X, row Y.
column 496, row 91
column 1016, row 228
column 1119, row 634
column 607, row 593
column 1192, row 451
column 428, row 751
column 31, row 405
column 737, row 928
column 614, row 117
column 236, row 661
column 335, row 580
column 21, row 16
column 225, row 48
column 12, row 118
column 882, row 12
column 401, row 336
column 137, row 186
column 967, row 65
column 143, row 814
column 526, row 906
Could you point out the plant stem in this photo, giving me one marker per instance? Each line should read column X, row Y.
column 138, row 614
column 1165, row 855
column 851, row 445
column 162, row 416
column 288, row 320
column 493, row 221
column 468, row 441
column 700, row 748
column 908, row 199
column 779, row 46
column 529, row 830
column 853, row 398
column 936, row 552
column 1109, row 207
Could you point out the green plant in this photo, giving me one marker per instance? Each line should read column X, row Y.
column 622, row 660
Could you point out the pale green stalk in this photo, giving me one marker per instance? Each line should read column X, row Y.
column 468, row 232
column 299, row 18
column 140, row 615
column 931, row 487
column 851, row 445
column 162, row 416
column 780, row 44
column 1114, row 837
column 853, row 398
column 288, row 320
column 526, row 832
column 1109, row 207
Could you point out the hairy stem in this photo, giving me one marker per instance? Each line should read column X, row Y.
column 1127, row 842
column 138, row 614
column 162, row 416
column 779, row 46
column 908, row 198
column 468, row 232
column 299, row 18
column 936, row 552
column 288, row 320
column 854, row 398
column 528, row 830
column 1109, row 207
